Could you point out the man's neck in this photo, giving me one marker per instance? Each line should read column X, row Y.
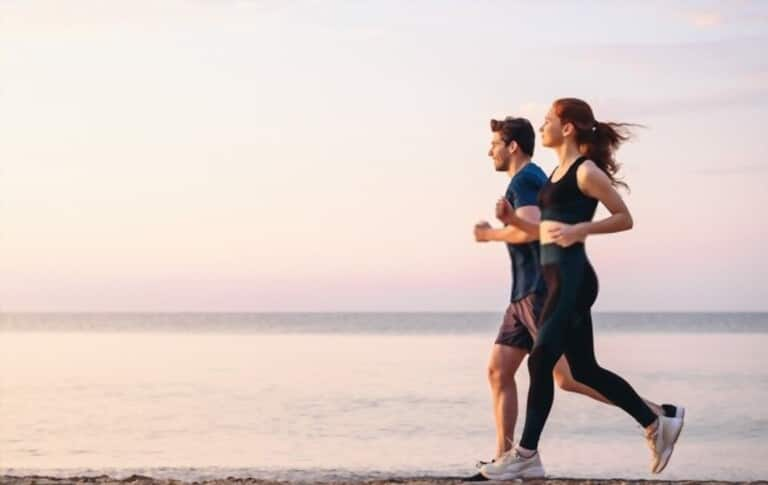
column 517, row 164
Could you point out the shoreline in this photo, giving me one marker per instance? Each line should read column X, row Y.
column 147, row 480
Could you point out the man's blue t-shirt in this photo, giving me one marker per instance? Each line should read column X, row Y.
column 523, row 190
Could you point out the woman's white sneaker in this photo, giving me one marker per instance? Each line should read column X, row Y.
column 673, row 411
column 662, row 441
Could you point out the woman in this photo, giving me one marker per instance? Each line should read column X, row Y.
column 585, row 176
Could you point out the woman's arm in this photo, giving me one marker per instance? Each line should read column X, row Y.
column 595, row 183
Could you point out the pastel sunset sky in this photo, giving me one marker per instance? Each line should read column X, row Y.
column 331, row 155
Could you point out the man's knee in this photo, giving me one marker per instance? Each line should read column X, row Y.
column 501, row 377
column 564, row 377
column 566, row 383
column 504, row 364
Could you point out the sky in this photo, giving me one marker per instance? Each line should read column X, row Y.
column 331, row 155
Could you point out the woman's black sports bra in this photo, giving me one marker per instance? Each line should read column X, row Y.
column 563, row 201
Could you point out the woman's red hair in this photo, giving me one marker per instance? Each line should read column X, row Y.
column 597, row 140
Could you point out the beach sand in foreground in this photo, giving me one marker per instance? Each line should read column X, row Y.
column 143, row 480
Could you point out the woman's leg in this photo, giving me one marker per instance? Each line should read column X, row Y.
column 563, row 279
column 581, row 357
column 564, row 380
column 580, row 352
column 661, row 432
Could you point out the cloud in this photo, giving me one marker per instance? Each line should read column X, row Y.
column 732, row 13
column 706, row 20
column 260, row 6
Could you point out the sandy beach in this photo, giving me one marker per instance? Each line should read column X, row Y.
column 144, row 480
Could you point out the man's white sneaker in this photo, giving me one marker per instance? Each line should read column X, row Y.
column 662, row 441
column 512, row 465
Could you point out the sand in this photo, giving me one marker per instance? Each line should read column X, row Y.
column 143, row 480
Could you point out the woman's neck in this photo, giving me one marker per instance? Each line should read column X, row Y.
column 567, row 153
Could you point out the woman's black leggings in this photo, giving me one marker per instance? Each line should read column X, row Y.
column 566, row 328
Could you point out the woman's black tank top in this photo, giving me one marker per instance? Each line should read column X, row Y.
column 563, row 201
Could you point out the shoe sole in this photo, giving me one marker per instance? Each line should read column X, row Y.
column 666, row 456
column 535, row 474
column 478, row 477
column 532, row 473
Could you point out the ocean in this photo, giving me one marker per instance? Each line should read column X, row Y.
column 324, row 396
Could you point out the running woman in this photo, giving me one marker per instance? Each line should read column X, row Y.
column 512, row 146
column 585, row 176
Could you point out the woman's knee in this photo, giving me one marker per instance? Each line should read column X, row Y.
column 584, row 372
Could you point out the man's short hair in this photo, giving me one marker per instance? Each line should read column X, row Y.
column 518, row 130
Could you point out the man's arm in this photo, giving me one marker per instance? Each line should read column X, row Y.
column 525, row 219
column 513, row 234
column 531, row 228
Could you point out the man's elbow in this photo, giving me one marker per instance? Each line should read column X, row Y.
column 518, row 238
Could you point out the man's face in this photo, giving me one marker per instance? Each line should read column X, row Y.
column 500, row 153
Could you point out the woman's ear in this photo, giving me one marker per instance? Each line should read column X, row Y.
column 568, row 129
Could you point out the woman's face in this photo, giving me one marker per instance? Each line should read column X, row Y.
column 552, row 130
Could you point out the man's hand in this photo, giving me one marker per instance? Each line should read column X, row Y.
column 504, row 211
column 483, row 231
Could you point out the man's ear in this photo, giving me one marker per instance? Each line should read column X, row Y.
column 512, row 147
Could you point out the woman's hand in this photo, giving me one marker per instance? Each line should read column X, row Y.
column 565, row 235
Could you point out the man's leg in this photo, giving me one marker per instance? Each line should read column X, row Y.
column 504, row 362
